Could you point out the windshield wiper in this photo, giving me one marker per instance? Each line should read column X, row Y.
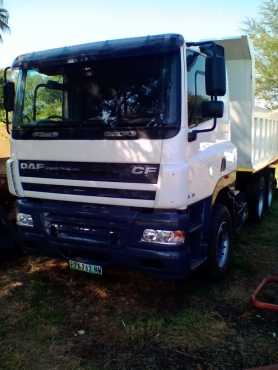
column 32, row 126
column 46, row 122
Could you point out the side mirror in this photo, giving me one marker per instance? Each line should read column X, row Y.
column 215, row 76
column 212, row 109
column 9, row 96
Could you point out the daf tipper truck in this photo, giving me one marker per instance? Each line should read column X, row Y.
column 141, row 153
column 8, row 243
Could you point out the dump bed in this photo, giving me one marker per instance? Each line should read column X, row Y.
column 254, row 134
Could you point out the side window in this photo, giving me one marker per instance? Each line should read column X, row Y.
column 196, row 87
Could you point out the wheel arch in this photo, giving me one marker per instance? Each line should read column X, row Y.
column 222, row 191
column 225, row 194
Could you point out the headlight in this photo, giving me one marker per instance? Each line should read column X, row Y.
column 163, row 236
column 23, row 219
column 10, row 166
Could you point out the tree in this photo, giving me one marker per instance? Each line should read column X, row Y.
column 4, row 27
column 2, row 111
column 263, row 31
column 4, row 20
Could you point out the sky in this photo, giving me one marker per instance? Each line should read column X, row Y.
column 37, row 25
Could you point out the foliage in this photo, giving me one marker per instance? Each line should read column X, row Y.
column 2, row 111
column 263, row 31
column 4, row 20
column 48, row 101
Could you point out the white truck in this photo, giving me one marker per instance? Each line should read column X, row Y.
column 142, row 153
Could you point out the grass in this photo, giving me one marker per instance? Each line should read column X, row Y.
column 55, row 319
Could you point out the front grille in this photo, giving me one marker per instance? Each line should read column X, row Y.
column 80, row 229
column 91, row 171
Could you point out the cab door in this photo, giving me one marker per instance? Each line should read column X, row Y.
column 207, row 153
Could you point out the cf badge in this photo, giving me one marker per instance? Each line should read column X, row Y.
column 143, row 170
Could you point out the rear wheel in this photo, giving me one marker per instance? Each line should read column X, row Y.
column 220, row 243
column 257, row 202
column 270, row 181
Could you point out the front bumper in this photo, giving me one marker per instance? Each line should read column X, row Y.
column 105, row 235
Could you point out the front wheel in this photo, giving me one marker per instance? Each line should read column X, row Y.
column 220, row 243
column 8, row 237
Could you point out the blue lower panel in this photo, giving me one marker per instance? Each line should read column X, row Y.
column 106, row 235
column 170, row 265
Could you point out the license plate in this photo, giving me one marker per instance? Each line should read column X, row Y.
column 85, row 267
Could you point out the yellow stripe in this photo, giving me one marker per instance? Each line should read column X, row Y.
column 242, row 169
column 261, row 166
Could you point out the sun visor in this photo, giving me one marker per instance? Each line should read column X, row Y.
column 101, row 50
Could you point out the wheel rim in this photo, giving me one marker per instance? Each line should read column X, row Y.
column 223, row 247
column 269, row 197
column 260, row 207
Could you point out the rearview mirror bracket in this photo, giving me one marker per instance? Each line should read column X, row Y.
column 192, row 135
column 9, row 96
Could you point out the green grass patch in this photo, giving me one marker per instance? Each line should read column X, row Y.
column 52, row 318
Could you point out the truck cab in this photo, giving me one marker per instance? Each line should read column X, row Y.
column 121, row 152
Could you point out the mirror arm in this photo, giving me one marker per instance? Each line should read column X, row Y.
column 7, row 122
column 201, row 43
column 192, row 135
column 35, row 100
column 207, row 47
column 5, row 74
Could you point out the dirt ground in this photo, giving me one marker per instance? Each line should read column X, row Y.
column 4, row 142
column 52, row 318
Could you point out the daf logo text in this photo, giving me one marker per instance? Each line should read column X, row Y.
column 31, row 166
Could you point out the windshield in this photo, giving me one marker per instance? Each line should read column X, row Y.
column 113, row 94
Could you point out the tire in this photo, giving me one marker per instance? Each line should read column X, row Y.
column 8, row 236
column 257, row 199
column 270, row 181
column 220, row 243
